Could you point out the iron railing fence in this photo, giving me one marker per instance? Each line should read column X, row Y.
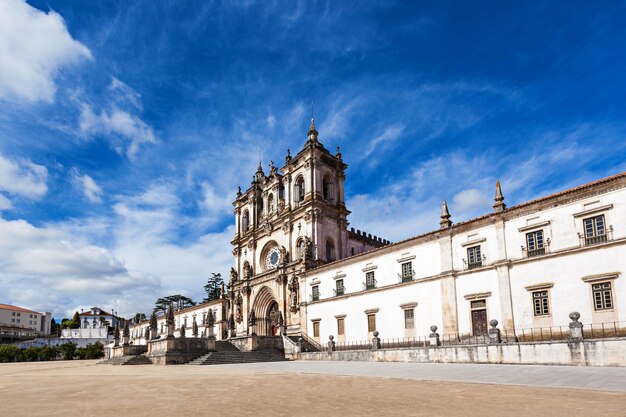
column 404, row 342
column 537, row 334
column 357, row 345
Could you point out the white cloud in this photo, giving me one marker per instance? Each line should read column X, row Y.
column 89, row 187
column 34, row 47
column 471, row 200
column 47, row 268
column 116, row 123
column 21, row 178
column 5, row 203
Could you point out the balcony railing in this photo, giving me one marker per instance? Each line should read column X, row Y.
column 597, row 239
column 531, row 253
column 476, row 264
column 406, row 277
column 339, row 291
column 369, row 285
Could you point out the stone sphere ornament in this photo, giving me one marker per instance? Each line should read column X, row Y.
column 493, row 323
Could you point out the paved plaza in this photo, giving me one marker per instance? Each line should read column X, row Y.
column 83, row 388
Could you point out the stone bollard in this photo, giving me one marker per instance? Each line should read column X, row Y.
column 434, row 336
column 375, row 341
column 575, row 327
column 494, row 333
column 331, row 344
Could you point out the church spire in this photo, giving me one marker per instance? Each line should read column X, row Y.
column 499, row 205
column 445, row 216
column 312, row 132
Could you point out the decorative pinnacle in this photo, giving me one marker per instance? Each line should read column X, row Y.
column 445, row 216
column 312, row 128
column 499, row 198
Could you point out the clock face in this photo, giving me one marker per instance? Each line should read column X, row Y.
column 273, row 257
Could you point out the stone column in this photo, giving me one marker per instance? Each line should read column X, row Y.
column 375, row 341
column 331, row 344
column 448, row 286
column 575, row 327
column 434, row 336
column 494, row 333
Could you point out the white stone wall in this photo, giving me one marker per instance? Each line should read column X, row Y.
column 566, row 270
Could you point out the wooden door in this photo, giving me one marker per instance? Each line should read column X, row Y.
column 479, row 322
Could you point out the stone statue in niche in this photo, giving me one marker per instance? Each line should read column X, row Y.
column 247, row 270
column 294, row 288
column 284, row 255
column 233, row 275
column 238, row 305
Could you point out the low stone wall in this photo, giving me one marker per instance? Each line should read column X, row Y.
column 128, row 350
column 598, row 352
column 253, row 343
column 178, row 351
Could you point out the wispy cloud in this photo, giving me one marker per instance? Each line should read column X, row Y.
column 90, row 189
column 21, row 178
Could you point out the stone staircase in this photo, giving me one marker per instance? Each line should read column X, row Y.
column 229, row 357
column 127, row 360
column 308, row 345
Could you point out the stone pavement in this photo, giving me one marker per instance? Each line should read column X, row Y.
column 590, row 378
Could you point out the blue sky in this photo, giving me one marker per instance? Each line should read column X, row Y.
column 125, row 127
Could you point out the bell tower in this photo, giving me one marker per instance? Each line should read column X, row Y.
column 292, row 219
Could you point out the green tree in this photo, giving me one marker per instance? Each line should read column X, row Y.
column 177, row 300
column 31, row 353
column 49, row 353
column 139, row 317
column 75, row 321
column 8, row 353
column 67, row 350
column 213, row 287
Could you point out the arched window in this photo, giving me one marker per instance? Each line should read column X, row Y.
column 270, row 203
column 330, row 250
column 299, row 194
column 300, row 248
column 245, row 220
column 260, row 209
column 327, row 189
column 281, row 191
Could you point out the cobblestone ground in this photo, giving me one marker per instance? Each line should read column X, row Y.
column 82, row 388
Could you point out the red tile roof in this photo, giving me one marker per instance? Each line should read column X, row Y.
column 15, row 308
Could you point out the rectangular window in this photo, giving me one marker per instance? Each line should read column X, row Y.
column 13, row 313
column 30, row 316
column 602, row 296
column 409, row 322
column 370, row 281
column 316, row 329
column 478, row 304
column 340, row 326
column 18, row 320
column 595, row 230
column 19, row 314
column 474, row 260
column 407, row 271
column 339, row 289
column 371, row 322
column 315, row 295
column 12, row 320
column 540, row 303
column 534, row 242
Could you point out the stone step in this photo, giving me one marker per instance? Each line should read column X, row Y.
column 127, row 360
column 219, row 358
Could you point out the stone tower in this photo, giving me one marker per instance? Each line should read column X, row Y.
column 288, row 221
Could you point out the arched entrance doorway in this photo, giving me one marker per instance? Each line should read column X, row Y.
column 267, row 313
column 272, row 319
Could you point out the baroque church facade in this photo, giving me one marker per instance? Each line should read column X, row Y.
column 299, row 269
